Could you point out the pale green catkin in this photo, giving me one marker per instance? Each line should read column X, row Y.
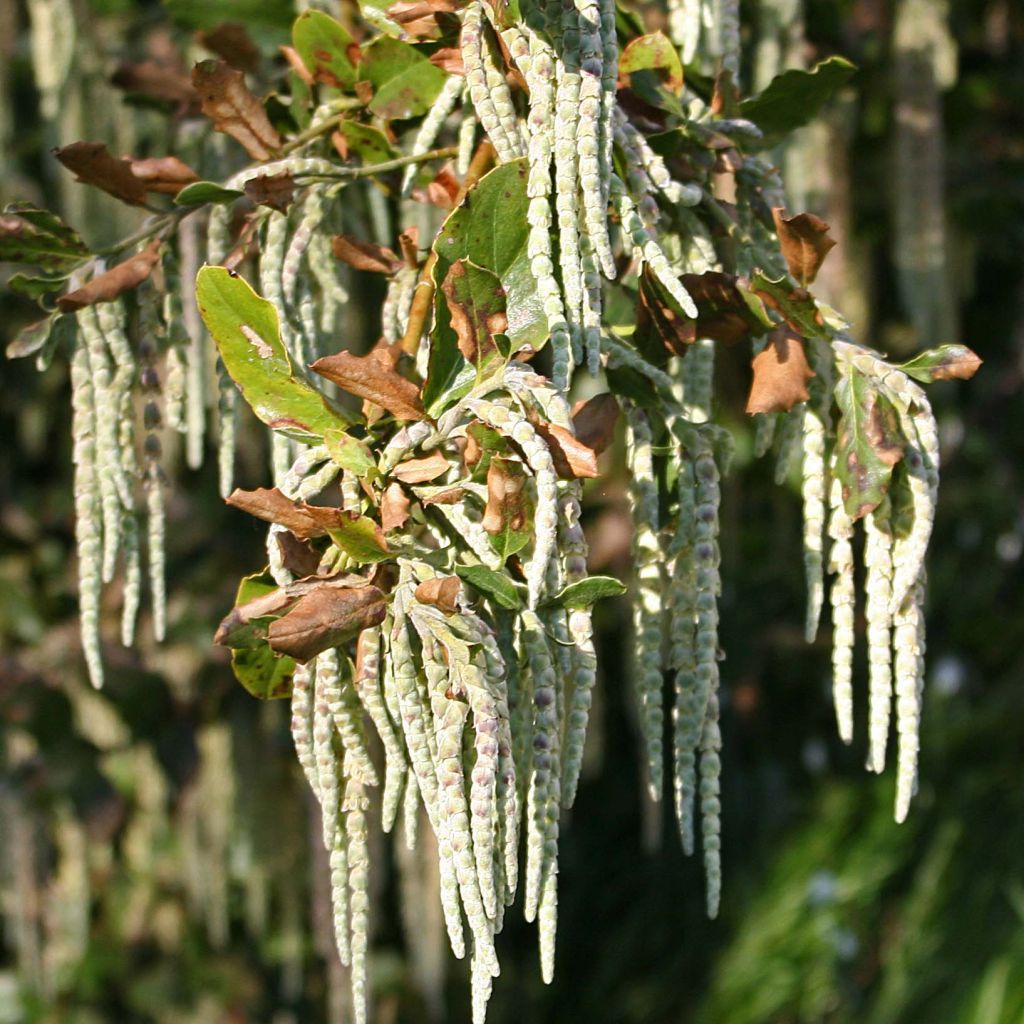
column 842, row 596
column 711, row 806
column 88, row 512
column 354, row 809
column 195, row 354
column 302, row 724
column 592, row 304
column 347, row 713
column 764, row 432
column 339, row 896
column 647, row 605
column 813, row 488
column 787, row 444
column 878, row 595
column 909, row 644
column 311, row 212
column 698, row 380
column 227, row 402
column 609, row 88
column 325, row 757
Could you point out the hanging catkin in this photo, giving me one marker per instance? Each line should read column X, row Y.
column 878, row 595
column 840, row 531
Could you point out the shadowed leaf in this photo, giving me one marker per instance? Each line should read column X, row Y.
column 377, row 259
column 274, row 190
column 805, row 243
column 781, row 374
column 594, row 421
column 794, row 98
column 92, row 164
column 324, row 618
column 572, row 458
column 41, row 238
column 233, row 109
column 231, row 42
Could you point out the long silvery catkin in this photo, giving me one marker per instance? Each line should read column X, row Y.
column 339, row 895
column 325, row 757
column 88, row 514
column 711, row 806
column 431, row 125
column 842, row 597
column 647, row 605
column 346, row 713
column 813, row 487
column 354, row 808
column 189, row 247
column 878, row 595
column 909, row 643
column 311, row 214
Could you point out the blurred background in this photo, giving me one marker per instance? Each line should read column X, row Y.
column 160, row 856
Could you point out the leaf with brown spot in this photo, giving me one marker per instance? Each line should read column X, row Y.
column 476, row 302
column 573, row 460
column 166, row 174
column 781, row 374
column 508, row 515
column 157, row 80
column 869, row 442
column 947, row 362
column 394, row 508
column 116, row 281
column 421, row 471
column 377, row 259
column 796, row 305
column 367, row 378
column 325, row 618
column 93, row 164
column 442, row 592
column 359, row 537
column 299, row 557
column 274, row 190
column 233, row 109
column 231, row 41
column 594, row 421
column 805, row 243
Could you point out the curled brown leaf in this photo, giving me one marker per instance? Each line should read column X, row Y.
column 421, row 471
column 273, row 190
column 231, row 41
column 165, row 174
column 805, row 243
column 116, row 281
column 572, row 458
column 594, row 421
column 377, row 259
column 394, row 508
column 442, row 592
column 272, row 506
column 233, row 109
column 93, row 164
column 157, row 80
column 325, row 618
column 369, row 379
column 781, row 374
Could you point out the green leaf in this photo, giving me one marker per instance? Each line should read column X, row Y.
column 405, row 83
column 794, row 98
column 368, row 143
column 586, row 592
column 947, row 362
column 325, row 48
column 254, row 14
column 262, row 672
column 200, row 192
column 476, row 305
column 245, row 328
column 490, row 229
column 41, row 238
column 796, row 305
column 509, row 515
column 360, row 538
column 651, row 66
column 36, row 287
column 350, row 453
column 868, row 442
column 498, row 586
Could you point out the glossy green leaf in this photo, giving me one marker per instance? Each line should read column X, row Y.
column 496, row 585
column 796, row 305
column 326, row 48
column 370, row 144
column 868, row 442
column 40, row 238
column 584, row 593
column 360, row 538
column 405, row 83
column 350, row 453
column 794, row 98
column 245, row 328
column 200, row 192
column 490, row 229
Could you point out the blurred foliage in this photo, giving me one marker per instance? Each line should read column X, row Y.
column 157, row 859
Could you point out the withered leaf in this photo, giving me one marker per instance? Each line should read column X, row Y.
column 116, row 281
column 233, row 109
column 394, row 508
column 421, row 19
column 449, row 60
column 297, row 64
column 409, row 243
column 298, row 556
column 325, row 618
column 377, row 259
column 230, row 41
column 781, row 374
column 165, row 174
column 658, row 311
column 805, row 243
column 93, row 164
column 449, row 496
column 726, row 312
column 442, row 592
column 476, row 301
column 594, row 421
column 157, row 80
column 572, row 458
column 947, row 362
column 443, row 191
column 421, row 471
column 367, row 378
column 270, row 505
column 274, row 190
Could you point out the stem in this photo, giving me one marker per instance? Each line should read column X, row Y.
column 424, row 297
column 352, row 173
column 344, row 104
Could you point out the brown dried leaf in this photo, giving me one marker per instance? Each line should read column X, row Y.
column 270, row 505
column 377, row 259
column 594, row 421
column 94, row 165
column 298, row 556
column 233, row 109
column 505, row 483
column 116, row 281
column 324, row 618
column 421, row 471
column 442, row 592
column 449, row 60
column 573, row 459
column 157, row 80
column 165, row 174
column 394, row 508
column 805, row 243
column 409, row 243
column 451, row 496
column 781, row 374
column 274, row 190
column 367, row 378
column 421, row 19
column 298, row 65
column 230, row 41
